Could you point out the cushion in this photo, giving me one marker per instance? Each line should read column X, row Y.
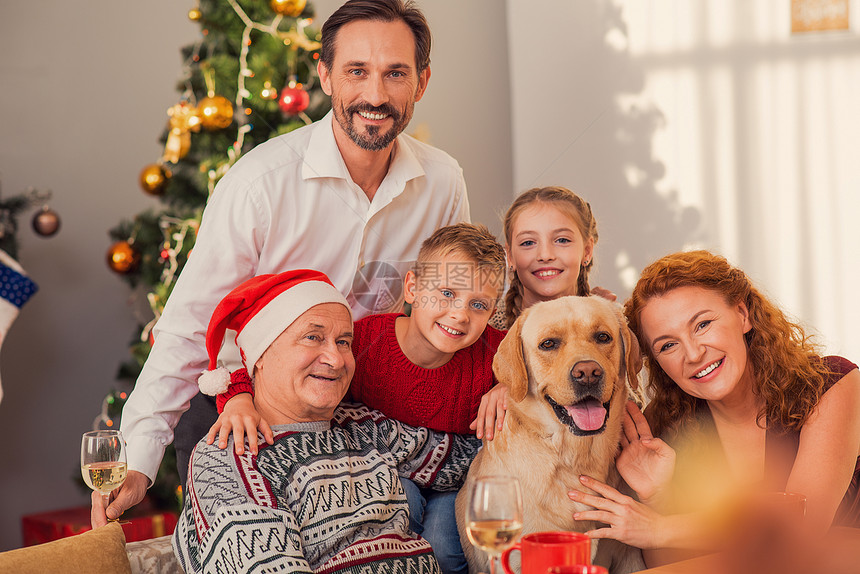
column 154, row 556
column 99, row 550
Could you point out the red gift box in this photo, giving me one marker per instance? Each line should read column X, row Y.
column 141, row 524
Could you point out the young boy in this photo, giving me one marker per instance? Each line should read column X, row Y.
column 432, row 368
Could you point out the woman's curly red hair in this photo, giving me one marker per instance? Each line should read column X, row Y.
column 787, row 369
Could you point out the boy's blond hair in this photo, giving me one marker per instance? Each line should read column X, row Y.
column 472, row 241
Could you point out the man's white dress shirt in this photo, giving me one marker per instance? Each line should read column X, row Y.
column 289, row 204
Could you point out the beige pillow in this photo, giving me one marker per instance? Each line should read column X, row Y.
column 99, row 550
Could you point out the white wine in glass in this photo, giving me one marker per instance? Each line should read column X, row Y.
column 494, row 515
column 103, row 462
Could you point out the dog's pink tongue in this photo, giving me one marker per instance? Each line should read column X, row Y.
column 588, row 415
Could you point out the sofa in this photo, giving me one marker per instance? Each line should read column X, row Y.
column 101, row 550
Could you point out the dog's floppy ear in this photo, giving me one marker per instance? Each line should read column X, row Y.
column 632, row 353
column 509, row 364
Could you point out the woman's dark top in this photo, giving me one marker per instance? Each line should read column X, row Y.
column 699, row 449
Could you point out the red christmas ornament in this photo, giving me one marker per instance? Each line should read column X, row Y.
column 294, row 100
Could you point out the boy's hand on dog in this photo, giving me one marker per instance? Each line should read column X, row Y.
column 645, row 463
column 630, row 521
column 242, row 418
column 491, row 413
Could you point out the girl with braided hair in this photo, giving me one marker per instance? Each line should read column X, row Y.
column 550, row 235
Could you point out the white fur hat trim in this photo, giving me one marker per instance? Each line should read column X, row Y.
column 279, row 313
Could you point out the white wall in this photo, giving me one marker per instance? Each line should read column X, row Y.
column 700, row 123
column 84, row 89
column 569, row 129
column 761, row 135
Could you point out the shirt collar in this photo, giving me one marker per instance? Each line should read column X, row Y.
column 323, row 158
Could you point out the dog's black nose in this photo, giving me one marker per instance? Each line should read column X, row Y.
column 586, row 373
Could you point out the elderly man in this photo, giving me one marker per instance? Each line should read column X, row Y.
column 349, row 195
column 325, row 497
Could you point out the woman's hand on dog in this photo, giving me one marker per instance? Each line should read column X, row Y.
column 630, row 521
column 645, row 463
column 491, row 413
column 242, row 418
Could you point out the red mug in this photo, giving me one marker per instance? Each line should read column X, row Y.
column 541, row 551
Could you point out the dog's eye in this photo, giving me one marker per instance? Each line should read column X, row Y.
column 549, row 344
column 603, row 337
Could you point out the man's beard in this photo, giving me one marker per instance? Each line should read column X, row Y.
column 373, row 138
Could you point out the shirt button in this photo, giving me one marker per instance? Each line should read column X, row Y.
column 361, row 264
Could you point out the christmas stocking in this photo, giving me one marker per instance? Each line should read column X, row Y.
column 15, row 289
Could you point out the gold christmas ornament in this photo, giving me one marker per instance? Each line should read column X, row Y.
column 183, row 120
column 194, row 14
column 289, row 8
column 122, row 257
column 216, row 112
column 153, row 179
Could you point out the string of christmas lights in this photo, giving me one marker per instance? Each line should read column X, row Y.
column 295, row 38
column 215, row 112
column 110, row 405
column 267, row 52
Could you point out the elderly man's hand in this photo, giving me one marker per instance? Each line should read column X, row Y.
column 130, row 493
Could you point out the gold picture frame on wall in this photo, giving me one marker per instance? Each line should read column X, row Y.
column 819, row 15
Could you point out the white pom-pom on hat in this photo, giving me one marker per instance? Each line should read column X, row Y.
column 214, row 382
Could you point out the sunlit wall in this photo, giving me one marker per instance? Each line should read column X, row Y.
column 752, row 148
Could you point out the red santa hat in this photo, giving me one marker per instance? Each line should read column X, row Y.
column 259, row 310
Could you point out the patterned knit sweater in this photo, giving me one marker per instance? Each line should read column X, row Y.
column 444, row 399
column 324, row 498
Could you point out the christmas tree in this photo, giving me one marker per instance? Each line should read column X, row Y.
column 250, row 77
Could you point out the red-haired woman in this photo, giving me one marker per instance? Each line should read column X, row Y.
column 740, row 399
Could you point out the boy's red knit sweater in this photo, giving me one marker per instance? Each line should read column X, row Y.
column 444, row 399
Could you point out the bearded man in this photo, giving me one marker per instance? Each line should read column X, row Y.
column 350, row 196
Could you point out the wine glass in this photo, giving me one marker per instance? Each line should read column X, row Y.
column 103, row 462
column 494, row 515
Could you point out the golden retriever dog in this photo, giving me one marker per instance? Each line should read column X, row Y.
column 567, row 364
